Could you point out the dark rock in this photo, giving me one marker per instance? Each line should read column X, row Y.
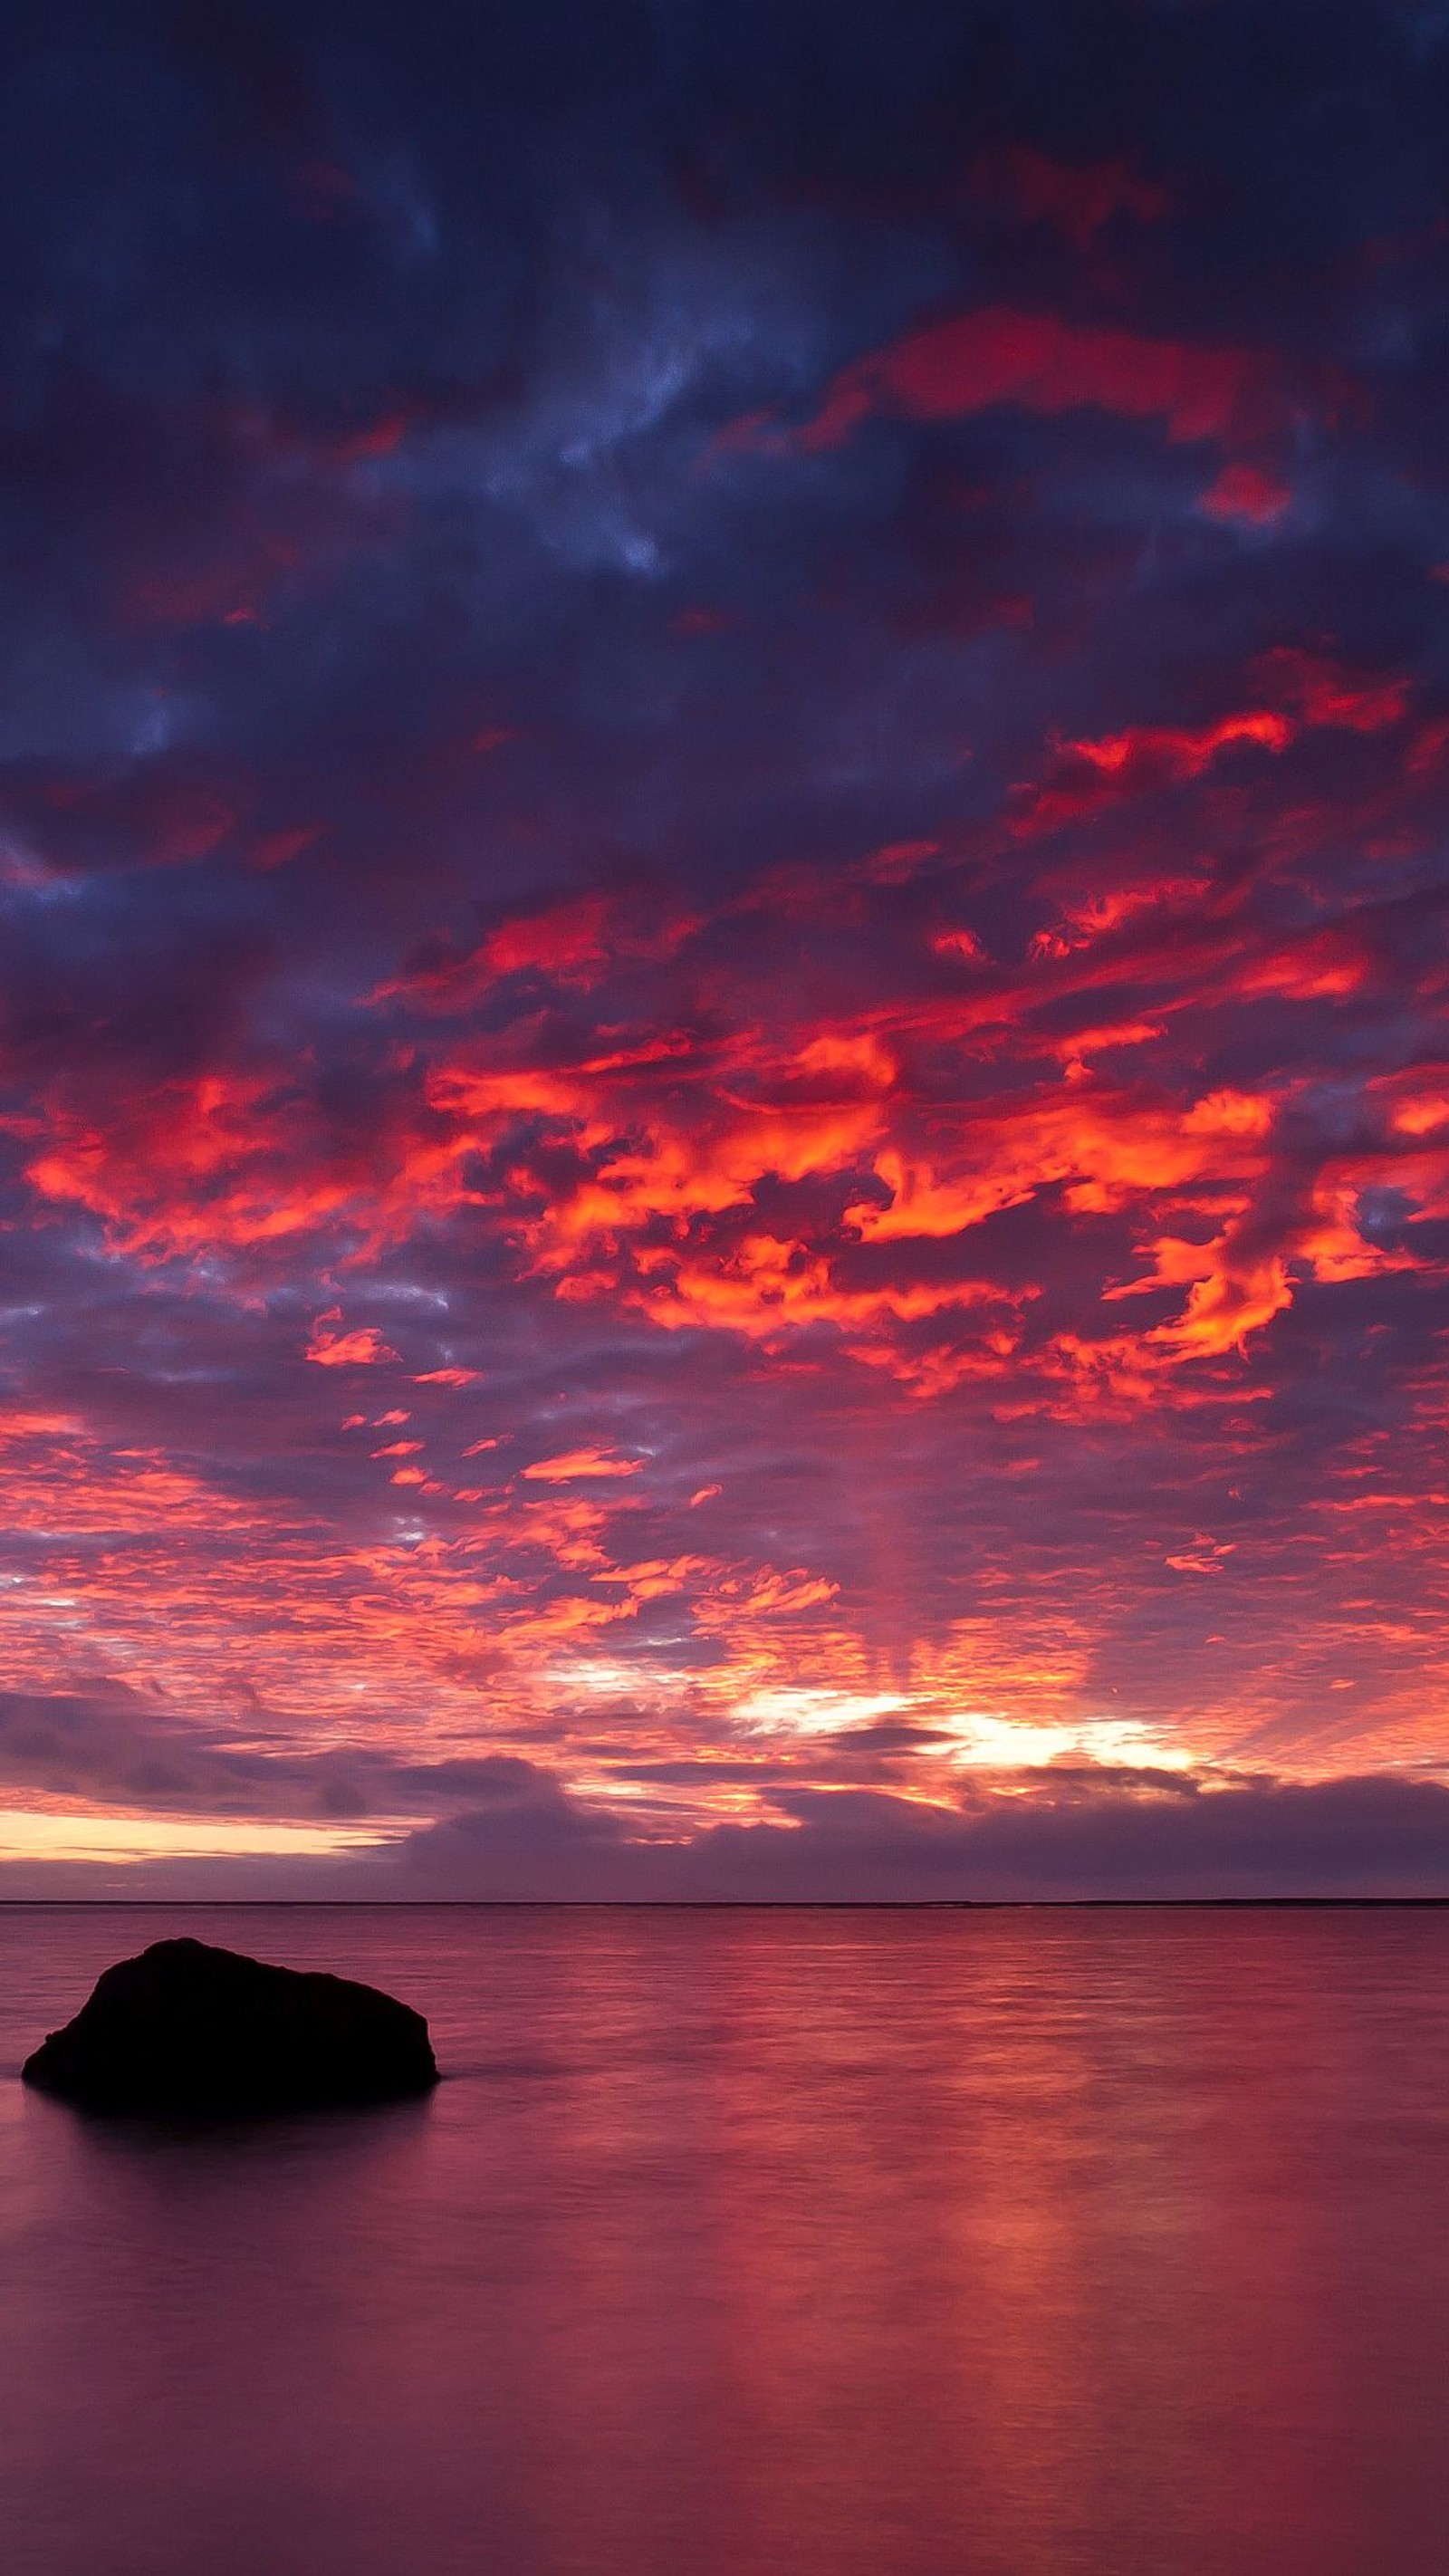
column 186, row 2027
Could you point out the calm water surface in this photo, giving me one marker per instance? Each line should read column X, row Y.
column 741, row 2244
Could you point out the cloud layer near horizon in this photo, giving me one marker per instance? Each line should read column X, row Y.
column 722, row 1012
column 512, row 1833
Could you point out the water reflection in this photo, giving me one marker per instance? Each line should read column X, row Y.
column 736, row 2244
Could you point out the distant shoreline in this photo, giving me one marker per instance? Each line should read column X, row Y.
column 719, row 1904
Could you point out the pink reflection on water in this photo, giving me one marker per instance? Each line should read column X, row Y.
column 1026, row 2244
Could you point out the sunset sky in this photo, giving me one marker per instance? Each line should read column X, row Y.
column 724, row 1008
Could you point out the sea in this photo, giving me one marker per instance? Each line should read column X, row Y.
column 817, row 2242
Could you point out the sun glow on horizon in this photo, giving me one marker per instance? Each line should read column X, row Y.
column 28, row 1833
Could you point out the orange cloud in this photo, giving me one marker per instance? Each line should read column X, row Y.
column 364, row 1347
column 766, row 1286
column 573, row 1463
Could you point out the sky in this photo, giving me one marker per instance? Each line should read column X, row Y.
column 724, row 1079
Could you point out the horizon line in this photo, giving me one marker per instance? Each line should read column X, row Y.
column 711, row 1904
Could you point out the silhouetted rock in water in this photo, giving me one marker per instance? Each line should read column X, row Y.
column 186, row 2027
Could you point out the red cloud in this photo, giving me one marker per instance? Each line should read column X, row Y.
column 163, row 812
column 1246, row 492
column 573, row 942
column 1086, row 776
column 813, row 1166
column 1079, row 197
column 997, row 355
column 1327, row 694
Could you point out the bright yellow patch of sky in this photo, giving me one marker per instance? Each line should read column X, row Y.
column 26, row 1834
